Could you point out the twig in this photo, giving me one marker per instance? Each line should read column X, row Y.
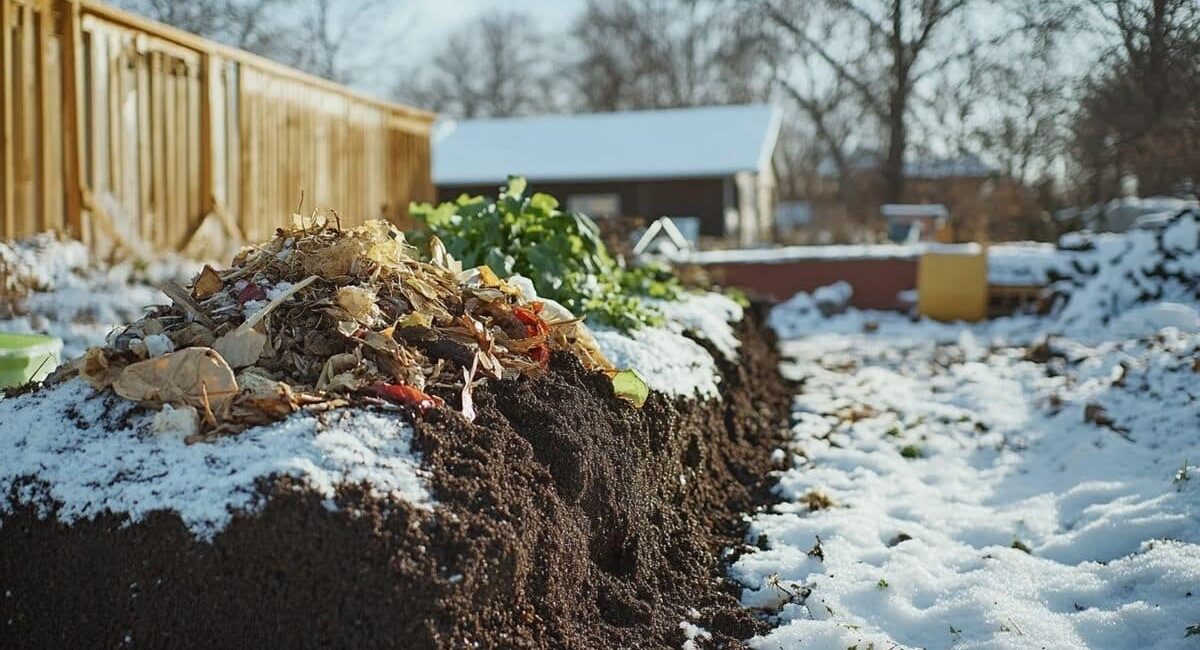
column 183, row 298
column 279, row 300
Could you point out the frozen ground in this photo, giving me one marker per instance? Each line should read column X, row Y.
column 92, row 453
column 982, row 486
column 962, row 498
column 74, row 297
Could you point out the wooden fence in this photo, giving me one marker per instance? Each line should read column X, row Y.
column 125, row 132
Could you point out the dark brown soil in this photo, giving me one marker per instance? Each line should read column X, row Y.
column 565, row 519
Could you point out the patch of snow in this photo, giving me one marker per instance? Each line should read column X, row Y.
column 1122, row 271
column 1146, row 320
column 1183, row 235
column 974, row 503
column 691, row 632
column 708, row 316
column 796, row 253
column 670, row 361
column 1022, row 263
column 833, row 298
column 76, row 299
column 83, row 453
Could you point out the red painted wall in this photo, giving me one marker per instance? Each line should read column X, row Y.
column 876, row 282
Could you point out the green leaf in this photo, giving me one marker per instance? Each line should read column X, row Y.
column 630, row 386
column 561, row 252
column 544, row 203
column 516, row 186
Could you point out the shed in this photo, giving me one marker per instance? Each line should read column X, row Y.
column 909, row 222
column 712, row 164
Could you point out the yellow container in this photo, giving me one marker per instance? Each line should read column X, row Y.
column 952, row 282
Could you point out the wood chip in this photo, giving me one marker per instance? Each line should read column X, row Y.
column 184, row 300
column 208, row 283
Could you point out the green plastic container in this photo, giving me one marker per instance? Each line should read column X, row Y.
column 27, row 357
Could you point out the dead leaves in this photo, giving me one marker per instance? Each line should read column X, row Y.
column 198, row 377
column 241, row 348
column 321, row 317
column 207, row 284
column 1096, row 414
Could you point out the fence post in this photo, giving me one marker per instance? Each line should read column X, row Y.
column 72, row 71
column 207, row 190
column 47, row 172
column 7, row 81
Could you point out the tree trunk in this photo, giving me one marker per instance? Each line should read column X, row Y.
column 893, row 167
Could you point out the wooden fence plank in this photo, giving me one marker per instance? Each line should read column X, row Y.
column 25, row 201
column 72, row 95
column 6, row 115
column 109, row 115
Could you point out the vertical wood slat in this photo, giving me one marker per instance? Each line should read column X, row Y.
column 24, row 91
column 6, row 115
column 45, row 217
column 145, row 120
column 72, row 70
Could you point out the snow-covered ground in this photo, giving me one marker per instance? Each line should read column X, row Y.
column 76, row 298
column 983, row 486
column 962, row 497
column 92, row 453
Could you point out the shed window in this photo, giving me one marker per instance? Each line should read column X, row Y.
column 595, row 205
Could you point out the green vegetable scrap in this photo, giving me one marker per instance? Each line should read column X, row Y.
column 630, row 386
column 560, row 251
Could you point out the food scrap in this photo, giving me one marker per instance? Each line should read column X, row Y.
column 322, row 317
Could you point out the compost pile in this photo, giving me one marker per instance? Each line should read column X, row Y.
column 322, row 317
column 536, row 508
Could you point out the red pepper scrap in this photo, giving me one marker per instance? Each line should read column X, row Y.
column 541, row 354
column 407, row 395
column 251, row 292
column 534, row 325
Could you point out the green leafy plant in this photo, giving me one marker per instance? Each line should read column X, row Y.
column 560, row 251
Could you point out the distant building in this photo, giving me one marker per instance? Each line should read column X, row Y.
column 711, row 164
column 978, row 197
column 909, row 223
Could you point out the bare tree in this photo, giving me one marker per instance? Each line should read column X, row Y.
column 666, row 53
column 882, row 50
column 1138, row 113
column 257, row 26
column 312, row 35
column 1009, row 102
column 497, row 66
column 325, row 30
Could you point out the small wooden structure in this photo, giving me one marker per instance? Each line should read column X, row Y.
column 120, row 130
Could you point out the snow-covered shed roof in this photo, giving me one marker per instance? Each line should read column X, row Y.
column 625, row 145
column 914, row 210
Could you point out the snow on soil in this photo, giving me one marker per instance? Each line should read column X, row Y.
column 941, row 463
column 983, row 486
column 90, row 454
column 72, row 448
column 76, row 299
column 671, row 361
